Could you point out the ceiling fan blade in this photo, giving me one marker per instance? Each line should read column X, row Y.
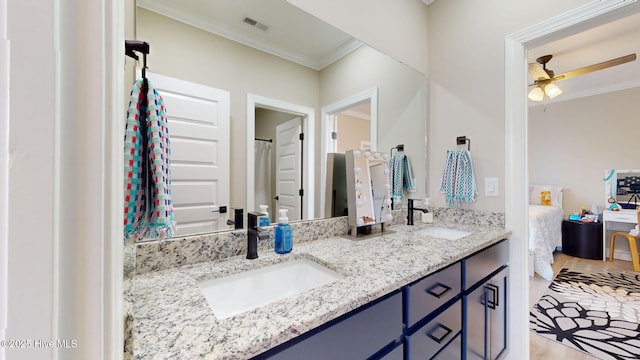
column 537, row 72
column 596, row 67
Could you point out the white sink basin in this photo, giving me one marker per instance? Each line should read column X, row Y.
column 444, row 233
column 235, row 294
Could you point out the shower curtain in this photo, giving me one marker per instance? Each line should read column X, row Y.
column 262, row 163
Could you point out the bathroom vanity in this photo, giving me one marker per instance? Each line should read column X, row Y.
column 401, row 295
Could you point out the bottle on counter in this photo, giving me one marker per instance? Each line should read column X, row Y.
column 427, row 216
column 264, row 220
column 284, row 234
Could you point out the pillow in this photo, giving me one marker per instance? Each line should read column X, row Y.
column 535, row 194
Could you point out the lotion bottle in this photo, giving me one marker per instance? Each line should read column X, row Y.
column 427, row 217
column 263, row 220
column 284, row 235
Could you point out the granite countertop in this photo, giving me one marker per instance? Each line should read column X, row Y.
column 172, row 319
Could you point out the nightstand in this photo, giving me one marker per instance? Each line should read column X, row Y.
column 583, row 240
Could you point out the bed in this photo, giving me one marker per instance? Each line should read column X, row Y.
column 545, row 229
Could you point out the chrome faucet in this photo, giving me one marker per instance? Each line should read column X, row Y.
column 254, row 233
column 411, row 208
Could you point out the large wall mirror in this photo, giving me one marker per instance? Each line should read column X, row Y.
column 279, row 84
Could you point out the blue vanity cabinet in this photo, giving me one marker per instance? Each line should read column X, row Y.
column 458, row 312
column 433, row 315
column 485, row 299
column 373, row 331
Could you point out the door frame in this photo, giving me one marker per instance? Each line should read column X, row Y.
column 582, row 18
column 308, row 125
column 327, row 112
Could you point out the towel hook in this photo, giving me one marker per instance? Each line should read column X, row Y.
column 462, row 140
column 400, row 148
column 140, row 46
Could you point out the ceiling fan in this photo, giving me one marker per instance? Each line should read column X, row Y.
column 545, row 78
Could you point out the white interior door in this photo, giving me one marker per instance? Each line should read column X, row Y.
column 198, row 118
column 288, row 168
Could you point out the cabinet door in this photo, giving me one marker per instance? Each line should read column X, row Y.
column 497, row 309
column 486, row 318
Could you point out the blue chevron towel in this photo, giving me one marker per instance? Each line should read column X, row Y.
column 458, row 182
column 400, row 176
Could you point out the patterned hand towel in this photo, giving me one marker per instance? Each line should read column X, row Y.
column 465, row 186
column 447, row 185
column 458, row 182
column 409, row 184
column 396, row 174
column 148, row 211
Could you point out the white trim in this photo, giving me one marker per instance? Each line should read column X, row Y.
column 308, row 126
column 225, row 31
column 326, row 116
column 4, row 171
column 516, row 155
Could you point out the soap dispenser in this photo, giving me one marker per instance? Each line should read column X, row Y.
column 284, row 235
column 264, row 220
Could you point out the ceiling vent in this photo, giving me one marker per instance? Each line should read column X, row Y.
column 255, row 24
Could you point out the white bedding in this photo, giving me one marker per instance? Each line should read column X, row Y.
column 545, row 234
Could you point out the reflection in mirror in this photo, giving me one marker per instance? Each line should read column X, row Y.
column 277, row 143
column 624, row 186
column 207, row 42
column 368, row 189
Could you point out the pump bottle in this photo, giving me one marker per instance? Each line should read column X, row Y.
column 284, row 234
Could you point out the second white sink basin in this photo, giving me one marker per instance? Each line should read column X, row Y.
column 235, row 294
column 444, row 233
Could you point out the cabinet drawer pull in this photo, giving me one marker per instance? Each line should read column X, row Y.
column 432, row 334
column 438, row 290
column 491, row 294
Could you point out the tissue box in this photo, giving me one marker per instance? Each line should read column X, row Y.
column 574, row 217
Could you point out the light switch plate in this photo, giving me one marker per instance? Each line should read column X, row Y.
column 491, row 187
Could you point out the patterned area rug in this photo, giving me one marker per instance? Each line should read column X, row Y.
column 592, row 309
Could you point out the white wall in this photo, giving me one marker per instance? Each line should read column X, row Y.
column 386, row 28
column 30, row 296
column 572, row 143
column 63, row 277
column 466, row 69
column 4, row 170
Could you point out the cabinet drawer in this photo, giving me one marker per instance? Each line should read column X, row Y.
column 358, row 336
column 436, row 334
column 483, row 263
column 621, row 216
column 430, row 293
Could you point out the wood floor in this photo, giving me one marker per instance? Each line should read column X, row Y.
column 542, row 348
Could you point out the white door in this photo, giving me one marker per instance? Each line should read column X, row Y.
column 288, row 168
column 198, row 120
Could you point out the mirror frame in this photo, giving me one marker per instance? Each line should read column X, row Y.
column 308, row 126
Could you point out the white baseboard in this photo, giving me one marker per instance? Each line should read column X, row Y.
column 620, row 255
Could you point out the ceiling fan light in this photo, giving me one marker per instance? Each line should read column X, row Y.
column 536, row 94
column 552, row 90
